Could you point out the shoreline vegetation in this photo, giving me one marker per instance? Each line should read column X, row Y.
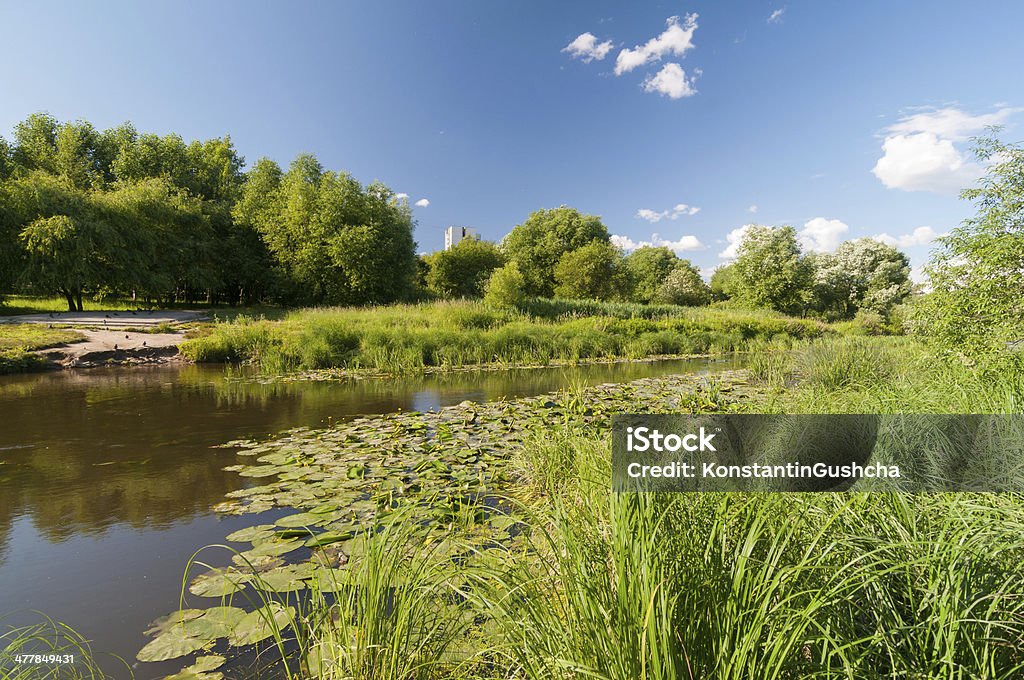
column 455, row 335
column 483, row 541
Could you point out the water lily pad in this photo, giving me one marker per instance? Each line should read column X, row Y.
column 330, row 580
column 273, row 548
column 219, row 582
column 256, row 563
column 261, row 624
column 285, row 579
column 302, row 519
column 174, row 618
column 329, row 537
column 216, row 623
column 205, row 664
column 170, row 644
column 250, row 534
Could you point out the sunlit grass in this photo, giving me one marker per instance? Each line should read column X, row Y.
column 455, row 334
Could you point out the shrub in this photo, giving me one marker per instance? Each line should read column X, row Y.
column 506, row 288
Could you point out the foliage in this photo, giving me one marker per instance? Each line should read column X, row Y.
column 539, row 243
column 645, row 269
column 683, row 286
column 770, row 270
column 861, row 275
column 336, row 241
column 591, row 271
column 463, row 271
column 506, row 288
column 977, row 275
column 723, row 282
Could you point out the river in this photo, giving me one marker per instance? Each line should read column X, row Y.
column 107, row 476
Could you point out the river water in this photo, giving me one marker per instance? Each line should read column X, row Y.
column 107, row 476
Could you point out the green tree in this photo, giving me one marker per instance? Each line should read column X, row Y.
column 862, row 274
column 539, row 243
column 62, row 255
column 590, row 272
column 771, row 271
column 507, row 287
column 977, row 275
column 723, row 282
column 684, row 286
column 464, row 270
column 35, row 143
column 646, row 268
column 336, row 241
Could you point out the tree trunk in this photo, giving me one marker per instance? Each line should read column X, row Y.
column 70, row 298
column 78, row 299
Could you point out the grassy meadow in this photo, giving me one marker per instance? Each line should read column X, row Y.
column 456, row 334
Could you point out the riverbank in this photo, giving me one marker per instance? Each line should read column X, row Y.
column 457, row 334
column 483, row 541
column 33, row 342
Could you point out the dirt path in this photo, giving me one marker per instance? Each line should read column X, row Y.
column 121, row 337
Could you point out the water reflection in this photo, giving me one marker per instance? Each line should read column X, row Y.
column 81, row 450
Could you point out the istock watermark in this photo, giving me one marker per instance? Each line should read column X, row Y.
column 835, row 452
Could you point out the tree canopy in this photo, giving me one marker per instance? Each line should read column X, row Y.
column 168, row 220
column 538, row 244
column 464, row 270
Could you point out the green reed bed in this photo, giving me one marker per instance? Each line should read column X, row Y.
column 454, row 334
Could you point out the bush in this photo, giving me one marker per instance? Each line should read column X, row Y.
column 506, row 288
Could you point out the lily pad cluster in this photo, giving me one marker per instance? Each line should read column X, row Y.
column 451, row 466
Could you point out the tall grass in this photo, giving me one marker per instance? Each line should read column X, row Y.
column 454, row 334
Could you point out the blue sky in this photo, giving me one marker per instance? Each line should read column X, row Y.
column 844, row 119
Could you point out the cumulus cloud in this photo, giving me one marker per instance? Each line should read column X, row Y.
column 671, row 81
column 422, row 203
column 676, row 212
column 920, row 152
column 752, row 209
column 400, row 196
column 921, row 236
column 676, row 39
column 776, row 16
column 822, row 235
column 733, row 239
column 586, row 48
column 680, row 245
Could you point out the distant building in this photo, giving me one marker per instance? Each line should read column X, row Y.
column 453, row 235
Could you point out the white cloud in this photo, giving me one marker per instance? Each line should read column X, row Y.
column 683, row 244
column 401, row 196
column 422, row 203
column 676, row 212
column 822, row 235
column 776, row 16
column 586, row 48
column 919, row 152
column 752, row 209
column 949, row 123
column 670, row 81
column 921, row 236
column 733, row 238
column 676, row 40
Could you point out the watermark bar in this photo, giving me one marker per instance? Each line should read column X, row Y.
column 844, row 452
